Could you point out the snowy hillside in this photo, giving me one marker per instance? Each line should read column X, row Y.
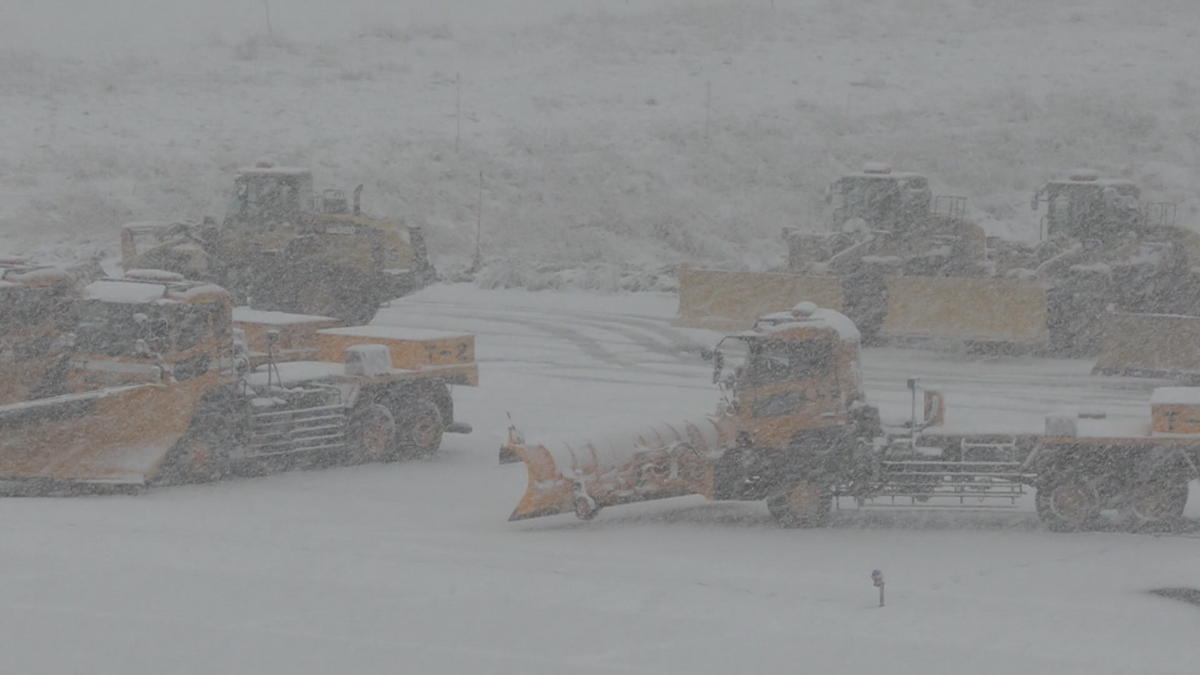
column 638, row 133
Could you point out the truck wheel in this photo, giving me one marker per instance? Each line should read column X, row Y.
column 1157, row 503
column 372, row 433
column 804, row 504
column 585, row 508
column 420, row 429
column 1067, row 505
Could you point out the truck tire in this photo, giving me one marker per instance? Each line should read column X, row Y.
column 419, row 429
column 803, row 504
column 372, row 434
column 1067, row 504
column 585, row 508
column 1156, row 504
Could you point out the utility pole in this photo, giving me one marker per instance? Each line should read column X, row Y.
column 478, row 262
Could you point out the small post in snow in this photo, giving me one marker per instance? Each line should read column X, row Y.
column 877, row 577
column 912, row 386
column 707, row 106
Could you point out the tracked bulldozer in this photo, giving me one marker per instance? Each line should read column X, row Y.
column 793, row 427
column 160, row 386
column 886, row 260
column 282, row 247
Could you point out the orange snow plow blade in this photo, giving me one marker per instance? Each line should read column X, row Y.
column 726, row 300
column 665, row 460
column 114, row 437
column 1149, row 345
column 990, row 310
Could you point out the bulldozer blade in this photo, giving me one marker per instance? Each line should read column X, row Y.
column 727, row 300
column 116, row 436
column 985, row 310
column 1149, row 345
column 665, row 460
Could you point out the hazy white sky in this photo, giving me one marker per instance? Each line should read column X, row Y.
column 81, row 27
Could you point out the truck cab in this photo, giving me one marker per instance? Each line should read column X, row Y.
column 150, row 326
column 885, row 200
column 1085, row 206
column 35, row 315
column 793, row 372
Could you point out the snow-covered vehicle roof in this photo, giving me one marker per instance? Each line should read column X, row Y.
column 807, row 315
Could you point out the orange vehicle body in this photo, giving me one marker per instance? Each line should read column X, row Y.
column 161, row 387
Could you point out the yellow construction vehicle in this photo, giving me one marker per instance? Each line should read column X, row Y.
column 903, row 264
column 794, row 428
column 162, row 389
column 895, row 258
column 281, row 247
column 793, row 411
column 36, row 317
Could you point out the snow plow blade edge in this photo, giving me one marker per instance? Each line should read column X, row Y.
column 656, row 462
column 986, row 310
column 729, row 300
column 109, row 439
column 1150, row 345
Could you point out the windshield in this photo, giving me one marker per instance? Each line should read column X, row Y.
column 110, row 329
column 263, row 200
column 774, row 361
column 1091, row 210
column 882, row 201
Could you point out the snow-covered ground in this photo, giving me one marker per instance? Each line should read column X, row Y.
column 413, row 568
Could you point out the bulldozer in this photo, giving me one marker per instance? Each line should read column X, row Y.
column 161, row 387
column 906, row 265
column 283, row 247
column 1104, row 251
column 793, row 427
column 889, row 242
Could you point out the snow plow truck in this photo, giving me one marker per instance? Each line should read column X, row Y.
column 905, row 265
column 160, row 387
column 282, row 247
column 794, row 428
